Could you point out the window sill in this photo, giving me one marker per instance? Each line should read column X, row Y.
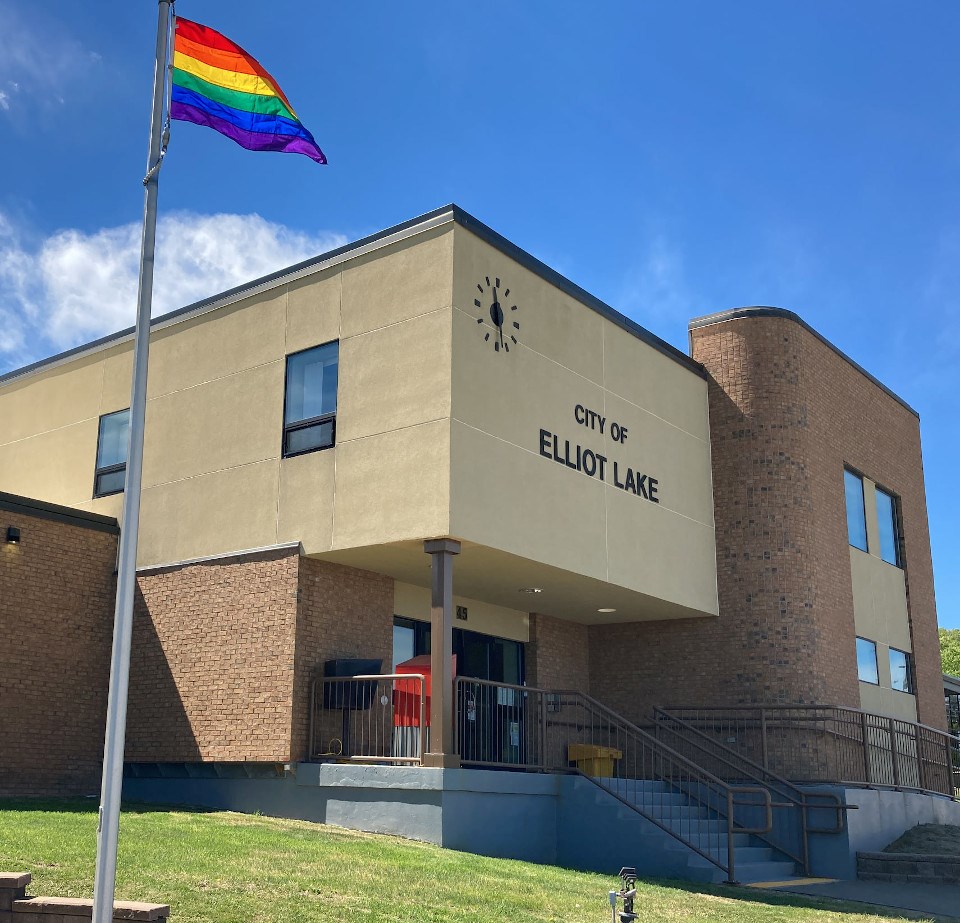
column 319, row 448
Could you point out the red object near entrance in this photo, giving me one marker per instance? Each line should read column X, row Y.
column 406, row 692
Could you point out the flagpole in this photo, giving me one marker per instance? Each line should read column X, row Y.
column 108, row 827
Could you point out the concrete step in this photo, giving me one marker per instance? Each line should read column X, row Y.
column 668, row 812
column 746, row 872
column 739, row 840
column 744, row 855
column 705, row 826
column 626, row 789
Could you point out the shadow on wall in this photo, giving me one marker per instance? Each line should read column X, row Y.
column 158, row 728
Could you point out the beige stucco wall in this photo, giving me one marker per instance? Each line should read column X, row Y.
column 507, row 495
column 213, row 478
column 437, row 434
column 413, row 602
column 881, row 615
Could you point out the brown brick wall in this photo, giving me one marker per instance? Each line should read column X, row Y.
column 212, row 660
column 56, row 614
column 558, row 654
column 224, row 651
column 344, row 612
column 786, row 413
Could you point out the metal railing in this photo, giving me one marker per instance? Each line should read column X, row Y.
column 797, row 813
column 955, row 758
column 369, row 719
column 519, row 727
column 814, row 743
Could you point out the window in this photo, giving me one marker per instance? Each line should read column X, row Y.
column 310, row 400
column 112, row 444
column 888, row 522
column 867, row 662
column 479, row 656
column 901, row 670
column 856, row 516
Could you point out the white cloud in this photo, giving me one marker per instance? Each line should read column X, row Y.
column 657, row 289
column 73, row 286
column 39, row 59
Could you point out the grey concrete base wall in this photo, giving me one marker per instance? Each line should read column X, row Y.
column 877, row 818
column 597, row 833
column 554, row 819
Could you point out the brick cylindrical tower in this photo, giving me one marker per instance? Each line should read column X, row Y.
column 788, row 413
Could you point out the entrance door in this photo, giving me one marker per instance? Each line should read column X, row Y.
column 479, row 656
column 491, row 720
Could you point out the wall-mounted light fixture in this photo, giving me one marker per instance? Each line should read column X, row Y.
column 13, row 535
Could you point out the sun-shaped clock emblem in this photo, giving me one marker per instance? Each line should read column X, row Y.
column 496, row 310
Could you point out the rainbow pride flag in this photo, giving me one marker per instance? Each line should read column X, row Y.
column 217, row 84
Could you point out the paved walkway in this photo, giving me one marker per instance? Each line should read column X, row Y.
column 940, row 901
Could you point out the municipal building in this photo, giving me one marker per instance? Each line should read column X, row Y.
column 612, row 602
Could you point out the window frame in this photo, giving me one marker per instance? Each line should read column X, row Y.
column 331, row 418
column 897, row 530
column 847, row 470
column 98, row 472
column 911, row 677
column 876, row 662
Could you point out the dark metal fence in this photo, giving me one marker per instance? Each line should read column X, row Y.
column 813, row 743
column 364, row 719
column 797, row 813
column 502, row 725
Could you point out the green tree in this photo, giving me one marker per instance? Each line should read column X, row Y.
column 950, row 650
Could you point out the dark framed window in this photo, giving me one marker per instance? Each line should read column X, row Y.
column 310, row 400
column 501, row 660
column 889, row 524
column 112, row 444
column 410, row 639
column 856, row 512
column 901, row 670
column 867, row 662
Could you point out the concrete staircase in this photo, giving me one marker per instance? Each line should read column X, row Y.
column 703, row 828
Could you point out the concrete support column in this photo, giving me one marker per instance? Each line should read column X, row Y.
column 441, row 751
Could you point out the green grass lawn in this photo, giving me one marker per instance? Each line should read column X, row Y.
column 234, row 868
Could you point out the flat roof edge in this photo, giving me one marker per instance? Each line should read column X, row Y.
column 40, row 509
column 721, row 317
column 328, row 259
column 433, row 219
column 223, row 556
column 541, row 269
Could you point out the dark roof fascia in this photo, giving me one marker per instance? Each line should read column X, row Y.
column 232, row 294
column 435, row 218
column 951, row 684
column 765, row 311
column 542, row 270
column 26, row 506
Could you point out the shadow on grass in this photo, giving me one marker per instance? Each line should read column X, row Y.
column 90, row 805
column 647, row 886
column 784, row 899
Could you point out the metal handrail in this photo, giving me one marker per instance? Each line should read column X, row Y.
column 367, row 733
column 729, row 790
column 796, row 797
column 661, row 764
column 863, row 738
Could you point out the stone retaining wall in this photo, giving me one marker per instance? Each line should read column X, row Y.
column 17, row 907
column 908, row 867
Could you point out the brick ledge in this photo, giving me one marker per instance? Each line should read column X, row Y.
column 83, row 908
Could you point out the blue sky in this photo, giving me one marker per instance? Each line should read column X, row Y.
column 673, row 158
